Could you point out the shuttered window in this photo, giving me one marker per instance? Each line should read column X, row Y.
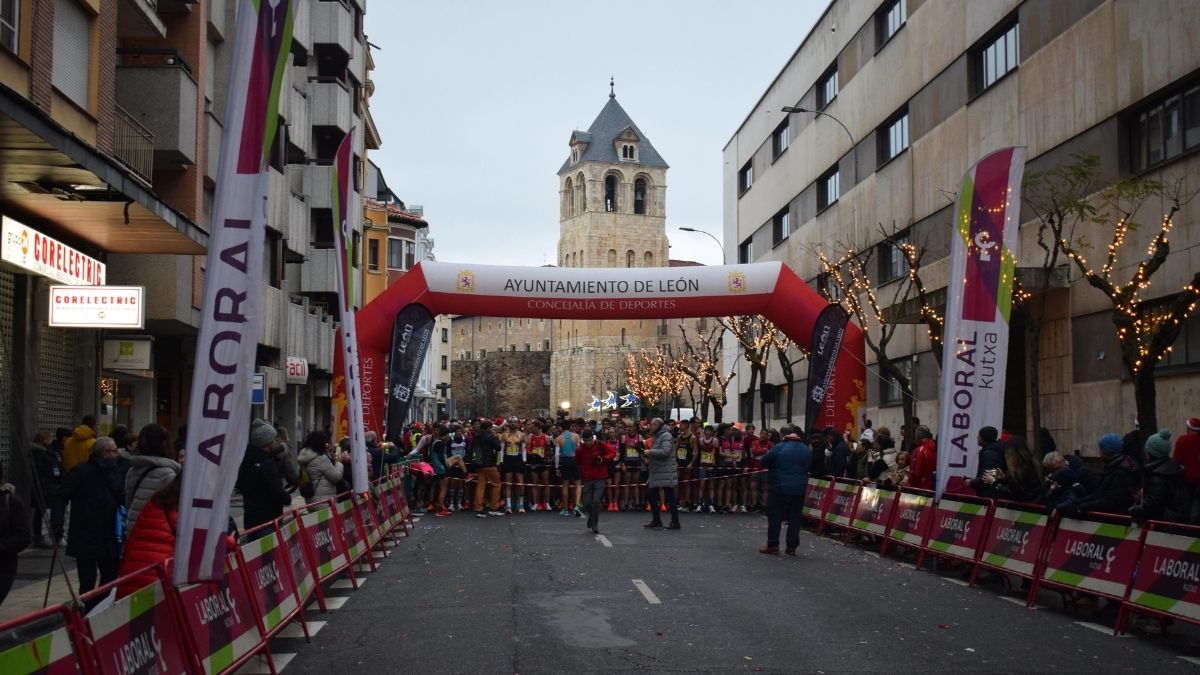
column 72, row 51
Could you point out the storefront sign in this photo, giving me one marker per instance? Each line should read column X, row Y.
column 31, row 250
column 128, row 354
column 97, row 306
column 297, row 370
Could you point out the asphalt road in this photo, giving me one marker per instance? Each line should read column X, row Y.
column 537, row 593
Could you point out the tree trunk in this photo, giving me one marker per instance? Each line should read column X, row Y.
column 762, row 404
column 1145, row 397
column 718, row 410
column 748, row 411
column 791, row 389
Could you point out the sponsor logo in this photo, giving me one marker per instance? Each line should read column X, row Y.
column 1012, row 535
column 1098, row 553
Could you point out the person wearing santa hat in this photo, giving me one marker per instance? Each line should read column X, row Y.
column 1187, row 453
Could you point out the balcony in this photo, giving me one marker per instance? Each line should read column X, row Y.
column 301, row 26
column 219, row 19
column 310, row 334
column 133, row 144
column 277, row 203
column 272, row 327
column 139, row 19
column 330, row 103
column 297, row 117
column 156, row 88
column 318, row 186
column 319, row 272
column 332, row 23
column 212, row 153
column 298, row 223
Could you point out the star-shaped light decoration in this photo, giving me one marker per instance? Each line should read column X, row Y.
column 630, row 400
column 596, row 404
column 610, row 403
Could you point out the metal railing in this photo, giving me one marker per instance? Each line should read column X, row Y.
column 134, row 144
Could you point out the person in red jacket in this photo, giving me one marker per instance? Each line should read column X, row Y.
column 152, row 540
column 924, row 460
column 593, row 456
column 1187, row 453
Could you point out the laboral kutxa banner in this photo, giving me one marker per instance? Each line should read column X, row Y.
column 344, row 216
column 219, row 417
column 827, row 335
column 975, row 351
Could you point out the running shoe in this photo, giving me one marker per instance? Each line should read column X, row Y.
column 535, row 507
column 663, row 508
column 712, row 509
column 496, row 513
column 741, row 508
column 545, row 506
column 564, row 512
column 481, row 514
column 508, row 510
column 578, row 512
column 520, row 509
column 445, row 512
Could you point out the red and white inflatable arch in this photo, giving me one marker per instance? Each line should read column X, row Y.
column 770, row 289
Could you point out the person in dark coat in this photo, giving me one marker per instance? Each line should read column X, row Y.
column 662, row 475
column 1118, row 484
column 839, row 454
column 95, row 489
column 1019, row 479
column 263, row 496
column 47, row 465
column 787, row 465
column 15, row 534
column 379, row 458
column 991, row 459
column 1166, row 495
column 818, row 445
column 1068, row 479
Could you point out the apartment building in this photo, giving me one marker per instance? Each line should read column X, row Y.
column 900, row 97
column 114, row 135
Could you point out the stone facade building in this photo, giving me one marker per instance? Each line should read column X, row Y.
column 503, row 383
column 925, row 88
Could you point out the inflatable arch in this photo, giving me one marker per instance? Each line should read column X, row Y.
column 770, row 289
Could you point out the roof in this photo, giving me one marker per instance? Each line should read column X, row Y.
column 397, row 214
column 608, row 125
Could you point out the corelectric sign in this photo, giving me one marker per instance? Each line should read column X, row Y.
column 31, row 250
column 97, row 306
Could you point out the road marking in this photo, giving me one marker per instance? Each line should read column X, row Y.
column 294, row 630
column 347, row 584
column 952, row 580
column 1195, row 661
column 335, row 603
column 258, row 664
column 604, row 540
column 1015, row 601
column 646, row 592
column 1099, row 628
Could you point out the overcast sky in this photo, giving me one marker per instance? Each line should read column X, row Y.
column 475, row 101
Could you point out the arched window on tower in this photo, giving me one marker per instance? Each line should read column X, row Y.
column 582, row 185
column 629, row 258
column 639, row 196
column 648, row 259
column 612, row 257
column 610, row 193
column 569, row 199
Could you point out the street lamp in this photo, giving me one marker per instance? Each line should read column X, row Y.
column 853, row 146
column 710, row 236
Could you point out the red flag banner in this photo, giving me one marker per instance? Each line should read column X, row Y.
column 219, row 416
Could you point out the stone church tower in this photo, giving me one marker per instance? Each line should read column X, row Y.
column 613, row 212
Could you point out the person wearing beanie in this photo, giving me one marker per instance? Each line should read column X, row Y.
column 1118, row 484
column 1187, row 454
column 263, row 496
column 1165, row 496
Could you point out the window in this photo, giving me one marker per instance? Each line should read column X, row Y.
column 395, row 259
column 445, row 335
column 622, row 337
column 746, row 177
column 569, row 198
column 574, row 155
column 545, row 345
column 829, row 188
column 893, row 264
column 10, row 26
column 780, row 139
column 827, row 88
column 639, row 196
column 410, row 254
column 780, row 227
column 527, row 346
column 746, row 251
column 1185, row 351
column 997, row 57
column 890, row 19
column 648, row 259
column 72, row 65
column 373, row 255
column 1166, row 128
column 273, row 258
column 889, row 393
column 893, row 137
column 612, row 257
column 629, row 258
column 445, row 362
column 610, row 193
column 322, row 229
column 356, row 250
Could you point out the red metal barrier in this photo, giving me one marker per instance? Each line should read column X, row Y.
column 142, row 632
column 816, row 498
column 53, row 648
column 266, row 560
column 912, row 519
column 325, row 545
column 1166, row 584
column 364, row 522
column 874, row 510
column 1096, row 556
column 221, row 622
column 1016, row 537
column 352, row 535
column 842, row 500
column 957, row 530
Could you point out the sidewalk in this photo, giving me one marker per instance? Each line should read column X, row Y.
column 29, row 589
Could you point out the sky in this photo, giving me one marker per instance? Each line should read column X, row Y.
column 476, row 100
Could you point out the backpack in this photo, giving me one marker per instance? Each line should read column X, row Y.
column 307, row 488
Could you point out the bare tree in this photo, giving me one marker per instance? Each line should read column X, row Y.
column 652, row 375
column 754, row 335
column 1145, row 329
column 700, row 363
column 787, row 364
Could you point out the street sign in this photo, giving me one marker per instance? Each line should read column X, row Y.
column 258, row 389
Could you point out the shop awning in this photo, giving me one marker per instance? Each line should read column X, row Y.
column 49, row 174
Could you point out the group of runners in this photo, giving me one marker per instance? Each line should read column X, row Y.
column 719, row 470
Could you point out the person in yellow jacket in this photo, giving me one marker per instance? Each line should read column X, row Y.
column 78, row 447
